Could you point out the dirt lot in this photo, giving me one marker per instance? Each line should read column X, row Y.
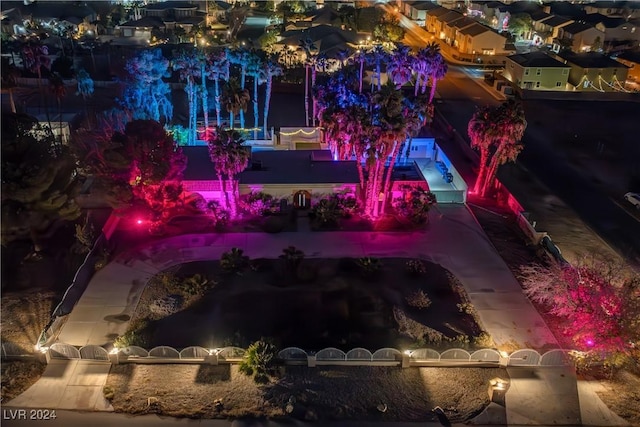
column 330, row 393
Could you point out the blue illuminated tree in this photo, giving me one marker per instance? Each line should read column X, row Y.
column 255, row 71
column 219, row 71
column 243, row 59
column 270, row 70
column 146, row 95
column 85, row 87
column 188, row 65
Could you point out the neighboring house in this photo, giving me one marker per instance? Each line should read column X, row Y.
column 433, row 23
column 497, row 13
column 328, row 41
column 594, row 72
column 418, row 10
column 176, row 14
column 623, row 9
column 632, row 60
column 478, row 39
column 614, row 29
column 547, row 28
column 536, row 71
column 48, row 15
column 581, row 37
column 141, row 29
column 451, row 29
column 444, row 23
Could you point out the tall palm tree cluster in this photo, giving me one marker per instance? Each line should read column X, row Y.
column 371, row 128
column 496, row 133
column 197, row 67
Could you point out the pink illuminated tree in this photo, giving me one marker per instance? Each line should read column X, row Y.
column 496, row 133
column 598, row 299
column 229, row 157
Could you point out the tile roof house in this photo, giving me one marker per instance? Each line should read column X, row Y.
column 418, row 10
column 536, row 71
column 581, row 37
column 433, row 24
column 632, row 60
column 594, row 72
column 547, row 28
column 614, row 29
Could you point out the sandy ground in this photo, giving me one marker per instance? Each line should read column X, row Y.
column 325, row 393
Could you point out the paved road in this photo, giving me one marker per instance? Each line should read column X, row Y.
column 460, row 96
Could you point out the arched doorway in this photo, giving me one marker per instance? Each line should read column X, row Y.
column 302, row 199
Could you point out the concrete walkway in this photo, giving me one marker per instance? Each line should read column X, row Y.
column 454, row 239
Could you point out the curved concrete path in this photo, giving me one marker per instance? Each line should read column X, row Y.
column 454, row 239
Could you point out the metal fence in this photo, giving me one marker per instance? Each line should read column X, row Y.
column 328, row 356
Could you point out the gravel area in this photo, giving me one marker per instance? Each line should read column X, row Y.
column 323, row 393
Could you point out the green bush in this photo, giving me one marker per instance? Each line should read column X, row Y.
column 138, row 334
column 196, row 285
column 418, row 299
column 259, row 361
column 108, row 392
column 415, row 267
column 234, row 261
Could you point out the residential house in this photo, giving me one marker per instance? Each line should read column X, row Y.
column 623, row 9
column 546, row 29
column 536, row 71
column 616, row 30
column 497, row 14
column 478, row 39
column 49, row 15
column 328, row 41
column 451, row 29
column 594, row 72
column 418, row 10
column 632, row 60
column 443, row 27
column 433, row 23
column 176, row 14
column 141, row 30
column 581, row 37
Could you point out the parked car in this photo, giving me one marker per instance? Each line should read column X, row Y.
column 633, row 198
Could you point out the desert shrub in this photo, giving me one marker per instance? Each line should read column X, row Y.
column 369, row 266
column 417, row 331
column 179, row 133
column 466, row 308
column 138, row 334
column 328, row 210
column 259, row 361
column 234, row 261
column 483, row 340
column 414, row 204
column 108, row 392
column 415, row 267
column 196, row 285
column 274, row 224
column 166, row 306
column 418, row 299
column 259, row 203
column 461, row 340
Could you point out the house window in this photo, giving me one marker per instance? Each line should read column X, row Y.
column 526, row 71
column 615, row 70
column 565, row 71
column 537, row 84
column 558, row 84
column 538, row 71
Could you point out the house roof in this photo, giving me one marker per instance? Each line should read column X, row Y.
column 439, row 11
column 590, row 60
column 425, row 5
column 463, row 23
column 607, row 21
column 277, row 167
column 528, row 7
column 633, row 56
column 577, row 27
column 164, row 5
column 451, row 16
column 57, row 9
column 325, row 16
column 536, row 59
column 328, row 39
column 539, row 15
column 555, row 20
column 146, row 22
column 566, row 9
column 474, row 30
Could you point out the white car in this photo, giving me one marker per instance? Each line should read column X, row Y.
column 633, row 198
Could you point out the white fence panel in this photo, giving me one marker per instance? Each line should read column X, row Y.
column 387, row 354
column 331, row 353
column 164, row 351
column 359, row 354
column 556, row 358
column 425, row 354
column 525, row 357
column 63, row 351
column 194, row 352
column 94, row 352
column 134, row 351
column 292, row 353
column 485, row 355
column 455, row 354
column 231, row 352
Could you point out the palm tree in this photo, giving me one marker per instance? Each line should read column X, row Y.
column 9, row 82
column 229, row 157
column 235, row 100
column 307, row 46
column 420, row 67
column 243, row 58
column 36, row 56
column 292, row 258
column 378, row 55
column 254, row 69
column 234, row 261
column 270, row 70
column 399, row 66
column 219, row 71
column 205, row 68
column 360, row 57
column 415, row 113
column 510, row 125
column 56, row 86
column 342, row 55
column 85, row 87
column 481, row 132
column 437, row 67
column 188, row 65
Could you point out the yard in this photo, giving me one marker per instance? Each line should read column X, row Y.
column 325, row 302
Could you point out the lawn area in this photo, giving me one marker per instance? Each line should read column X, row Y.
column 326, row 302
column 323, row 393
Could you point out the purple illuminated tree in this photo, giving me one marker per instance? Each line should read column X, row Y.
column 437, row 67
column 85, row 87
column 378, row 56
column 229, row 157
column 420, row 67
column 360, row 58
column 597, row 299
column 399, row 65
